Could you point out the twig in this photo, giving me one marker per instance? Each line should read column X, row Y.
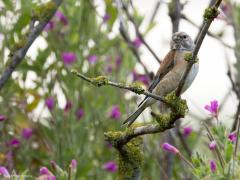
column 238, row 130
column 156, row 8
column 19, row 54
column 202, row 35
column 209, row 33
column 211, row 138
column 136, row 89
column 133, row 49
column 138, row 31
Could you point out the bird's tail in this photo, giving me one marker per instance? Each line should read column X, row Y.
column 134, row 115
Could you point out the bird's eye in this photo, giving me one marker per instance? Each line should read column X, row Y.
column 184, row 37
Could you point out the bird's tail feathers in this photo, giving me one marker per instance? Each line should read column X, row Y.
column 134, row 115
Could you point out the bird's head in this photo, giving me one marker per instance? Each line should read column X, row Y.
column 182, row 41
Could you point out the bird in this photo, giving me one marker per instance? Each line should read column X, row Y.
column 170, row 73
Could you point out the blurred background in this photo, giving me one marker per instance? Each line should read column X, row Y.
column 49, row 114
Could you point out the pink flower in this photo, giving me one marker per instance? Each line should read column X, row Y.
column 212, row 145
column 137, row 42
column 212, row 108
column 49, row 26
column 115, row 112
column 15, row 143
column 118, row 61
column 143, row 78
column 232, row 137
column 92, row 59
column 106, row 17
column 27, row 133
column 4, row 172
column 80, row 113
column 110, row 166
column 170, row 148
column 213, row 166
column 68, row 106
column 68, row 58
column 49, row 102
column 2, row 118
column 61, row 17
column 47, row 174
column 187, row 131
column 74, row 164
column 109, row 68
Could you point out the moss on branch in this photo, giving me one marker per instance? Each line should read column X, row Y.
column 99, row 81
column 210, row 13
column 137, row 88
column 43, row 12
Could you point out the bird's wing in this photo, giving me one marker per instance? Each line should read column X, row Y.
column 166, row 66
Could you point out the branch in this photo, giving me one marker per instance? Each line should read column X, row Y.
column 131, row 19
column 102, row 80
column 209, row 33
column 209, row 15
column 19, row 54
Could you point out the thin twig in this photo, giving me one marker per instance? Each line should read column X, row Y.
column 19, row 54
column 200, row 39
column 209, row 33
column 211, row 138
column 131, row 19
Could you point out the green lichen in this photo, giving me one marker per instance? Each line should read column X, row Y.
column 178, row 105
column 113, row 136
column 130, row 158
column 99, row 81
column 188, row 57
column 210, row 13
column 163, row 120
column 43, row 12
column 137, row 88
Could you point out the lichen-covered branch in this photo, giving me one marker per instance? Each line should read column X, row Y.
column 43, row 15
column 103, row 80
column 209, row 15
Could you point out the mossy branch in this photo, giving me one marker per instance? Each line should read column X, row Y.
column 134, row 87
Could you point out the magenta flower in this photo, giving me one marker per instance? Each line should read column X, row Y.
column 74, row 164
column 15, row 143
column 4, row 172
column 144, row 79
column 212, row 108
column 187, row 131
column 170, row 148
column 109, row 68
column 232, row 137
column 46, row 174
column 49, row 26
column 27, row 133
column 92, row 59
column 213, row 166
column 106, row 17
column 49, row 102
column 61, row 17
column 137, row 42
column 118, row 61
column 68, row 58
column 115, row 112
column 80, row 113
column 2, row 118
column 110, row 166
column 212, row 145
column 68, row 106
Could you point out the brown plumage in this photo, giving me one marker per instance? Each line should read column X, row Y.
column 170, row 72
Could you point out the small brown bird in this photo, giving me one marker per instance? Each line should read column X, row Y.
column 170, row 72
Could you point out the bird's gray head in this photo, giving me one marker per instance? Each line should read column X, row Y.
column 182, row 41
